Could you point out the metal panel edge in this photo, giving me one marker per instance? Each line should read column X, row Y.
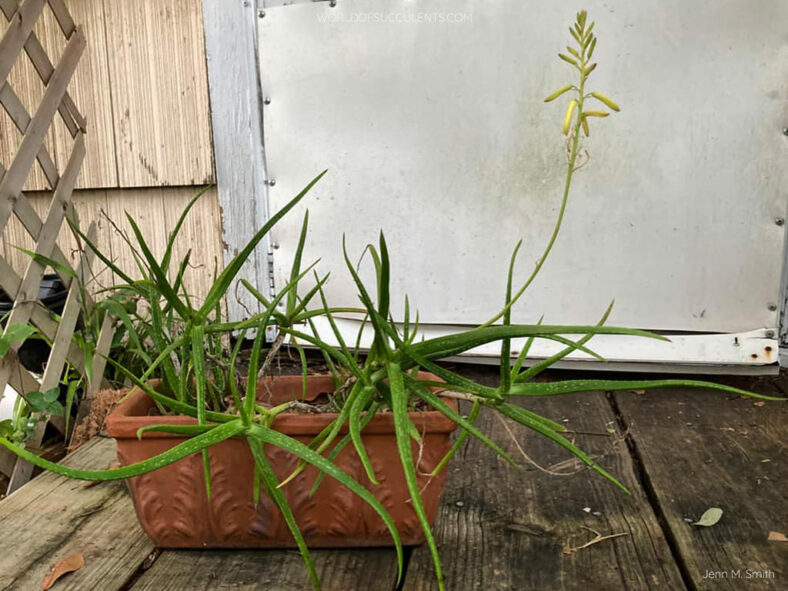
column 748, row 353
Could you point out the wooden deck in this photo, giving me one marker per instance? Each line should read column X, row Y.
column 678, row 451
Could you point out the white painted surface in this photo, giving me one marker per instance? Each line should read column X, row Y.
column 230, row 47
column 437, row 134
column 690, row 353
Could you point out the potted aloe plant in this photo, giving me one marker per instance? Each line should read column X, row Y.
column 223, row 456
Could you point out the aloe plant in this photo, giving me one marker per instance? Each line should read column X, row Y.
column 166, row 334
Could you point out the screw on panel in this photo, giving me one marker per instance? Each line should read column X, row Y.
column 267, row 100
column 779, row 221
column 332, row 3
column 769, row 334
column 246, row 2
column 271, row 182
column 773, row 307
column 260, row 13
column 275, row 246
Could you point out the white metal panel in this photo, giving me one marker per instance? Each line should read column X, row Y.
column 756, row 351
column 436, row 133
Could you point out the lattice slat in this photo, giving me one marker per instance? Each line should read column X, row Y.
column 20, row 42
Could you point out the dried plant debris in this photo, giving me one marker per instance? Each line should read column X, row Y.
column 103, row 403
column 69, row 564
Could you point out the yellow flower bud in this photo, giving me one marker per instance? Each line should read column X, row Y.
column 569, row 112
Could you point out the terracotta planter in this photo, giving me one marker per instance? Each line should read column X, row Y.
column 175, row 512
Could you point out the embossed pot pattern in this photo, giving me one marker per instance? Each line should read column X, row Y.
column 174, row 510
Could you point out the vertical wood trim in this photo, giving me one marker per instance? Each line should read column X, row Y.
column 236, row 116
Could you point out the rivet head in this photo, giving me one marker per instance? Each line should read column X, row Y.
column 769, row 334
column 332, row 3
column 267, row 100
column 779, row 221
column 275, row 246
column 785, row 130
column 246, row 3
column 271, row 182
column 773, row 307
column 260, row 13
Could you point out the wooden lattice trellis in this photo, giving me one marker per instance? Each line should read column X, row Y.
column 20, row 40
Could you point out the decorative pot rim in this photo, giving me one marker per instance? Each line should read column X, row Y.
column 135, row 411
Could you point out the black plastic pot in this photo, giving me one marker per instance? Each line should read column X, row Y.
column 33, row 354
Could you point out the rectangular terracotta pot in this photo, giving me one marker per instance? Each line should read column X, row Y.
column 173, row 508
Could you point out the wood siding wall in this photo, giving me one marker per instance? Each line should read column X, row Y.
column 142, row 85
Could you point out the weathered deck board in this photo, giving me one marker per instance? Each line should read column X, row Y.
column 52, row 517
column 273, row 570
column 701, row 449
column 500, row 528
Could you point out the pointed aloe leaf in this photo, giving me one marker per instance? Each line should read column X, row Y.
column 573, row 386
column 332, row 368
column 157, row 335
column 453, row 380
column 538, row 368
column 171, row 403
column 296, row 268
column 333, row 324
column 384, row 274
column 268, row 477
column 524, row 353
column 519, row 411
column 379, row 343
column 474, row 414
column 216, row 435
column 223, row 281
column 233, row 384
column 449, row 345
column 304, row 373
column 466, row 425
column 302, row 451
column 342, row 443
column 47, row 261
column 102, row 257
column 250, row 397
column 188, row 430
column 165, row 261
column 402, row 424
column 574, row 346
column 344, row 361
column 159, row 276
column 357, row 407
column 544, row 429
column 70, row 393
column 198, row 361
column 506, row 344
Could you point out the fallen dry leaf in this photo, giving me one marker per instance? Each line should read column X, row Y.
column 68, row 565
column 710, row 517
column 775, row 536
column 759, row 403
